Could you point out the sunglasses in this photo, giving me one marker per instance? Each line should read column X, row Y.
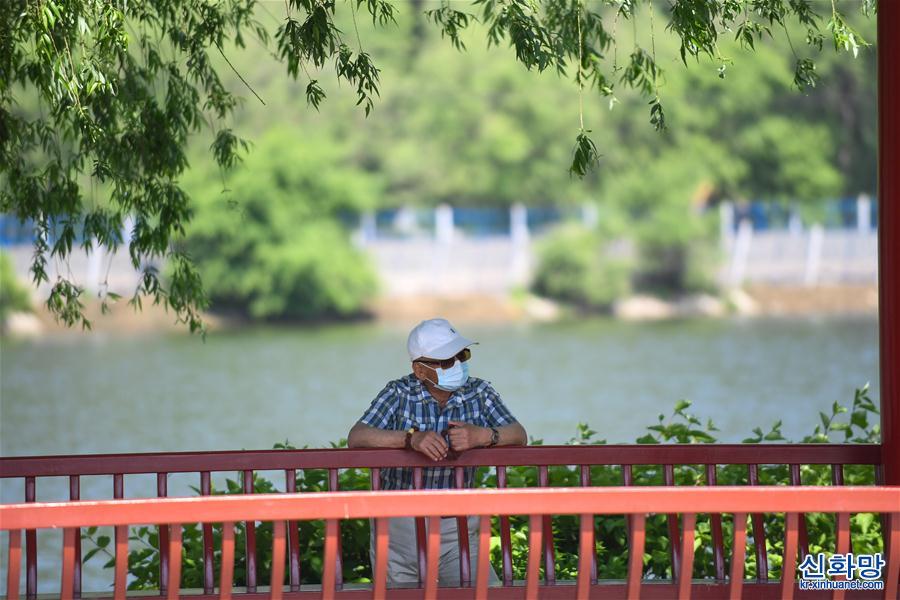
column 461, row 356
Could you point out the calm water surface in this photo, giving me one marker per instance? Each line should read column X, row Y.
column 250, row 389
column 257, row 387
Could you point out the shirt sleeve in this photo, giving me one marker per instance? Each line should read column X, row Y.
column 495, row 412
column 381, row 412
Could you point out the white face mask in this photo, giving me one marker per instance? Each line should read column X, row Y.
column 453, row 378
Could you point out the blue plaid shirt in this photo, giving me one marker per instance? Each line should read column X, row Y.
column 406, row 402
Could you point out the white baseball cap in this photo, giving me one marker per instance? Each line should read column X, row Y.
column 435, row 338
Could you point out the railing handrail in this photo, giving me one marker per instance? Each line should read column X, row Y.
column 424, row 503
column 344, row 458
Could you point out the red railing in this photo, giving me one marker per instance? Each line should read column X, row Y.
column 626, row 457
column 431, row 504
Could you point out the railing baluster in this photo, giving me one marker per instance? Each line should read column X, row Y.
column 535, row 524
column 382, row 543
column 484, row 558
column 789, row 562
column 586, row 482
column 759, row 534
column 420, row 529
column 226, row 576
column 715, row 521
column 843, row 547
column 14, row 564
column 636, row 535
column 738, row 554
column 585, row 557
column 120, row 581
column 674, row 534
column 174, row 587
column 278, row 544
column 837, row 474
column 375, row 473
column 549, row 560
column 68, row 563
column 685, row 575
column 885, row 517
column 328, row 567
column 75, row 494
column 462, row 534
column 892, row 577
column 250, row 537
column 627, row 481
column 338, row 567
column 30, row 546
column 434, row 556
column 505, row 537
column 208, row 574
column 121, row 537
column 803, row 534
column 290, row 486
column 162, row 490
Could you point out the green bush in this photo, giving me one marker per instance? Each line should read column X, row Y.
column 611, row 533
column 272, row 245
column 14, row 296
column 574, row 266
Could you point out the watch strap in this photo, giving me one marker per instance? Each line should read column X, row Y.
column 495, row 437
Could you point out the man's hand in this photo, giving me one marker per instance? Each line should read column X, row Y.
column 464, row 436
column 429, row 443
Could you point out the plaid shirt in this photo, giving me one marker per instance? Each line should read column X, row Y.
column 405, row 403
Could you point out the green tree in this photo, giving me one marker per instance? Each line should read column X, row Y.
column 13, row 296
column 272, row 245
column 123, row 85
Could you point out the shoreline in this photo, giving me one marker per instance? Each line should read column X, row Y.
column 750, row 302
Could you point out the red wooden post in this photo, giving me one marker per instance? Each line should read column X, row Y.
column 418, row 482
column 382, row 541
column 174, row 586
column 331, row 550
column 715, row 521
column 759, row 534
column 290, row 487
column 75, row 494
column 889, row 235
column 226, row 576
column 636, row 537
column 535, row 525
column 68, row 563
column 208, row 574
column 121, row 538
column 338, row 565
column 250, row 537
column 30, row 546
column 549, row 554
column 432, row 571
column 278, row 543
column 804, row 534
column 685, row 574
column 738, row 553
column 13, row 564
column 484, row 558
column 505, row 536
column 789, row 563
column 462, row 535
column 162, row 490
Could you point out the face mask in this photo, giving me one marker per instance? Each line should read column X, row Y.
column 453, row 378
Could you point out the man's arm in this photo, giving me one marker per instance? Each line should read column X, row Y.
column 464, row 436
column 364, row 436
column 428, row 443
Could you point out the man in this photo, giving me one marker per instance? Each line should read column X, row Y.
column 415, row 412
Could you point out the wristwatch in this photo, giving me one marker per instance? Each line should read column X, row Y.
column 495, row 437
column 408, row 443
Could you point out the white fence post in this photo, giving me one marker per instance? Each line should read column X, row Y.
column 863, row 213
column 740, row 253
column 519, row 241
column 814, row 254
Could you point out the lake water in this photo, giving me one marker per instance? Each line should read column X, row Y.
column 252, row 388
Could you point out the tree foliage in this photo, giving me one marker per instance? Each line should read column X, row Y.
column 122, row 86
